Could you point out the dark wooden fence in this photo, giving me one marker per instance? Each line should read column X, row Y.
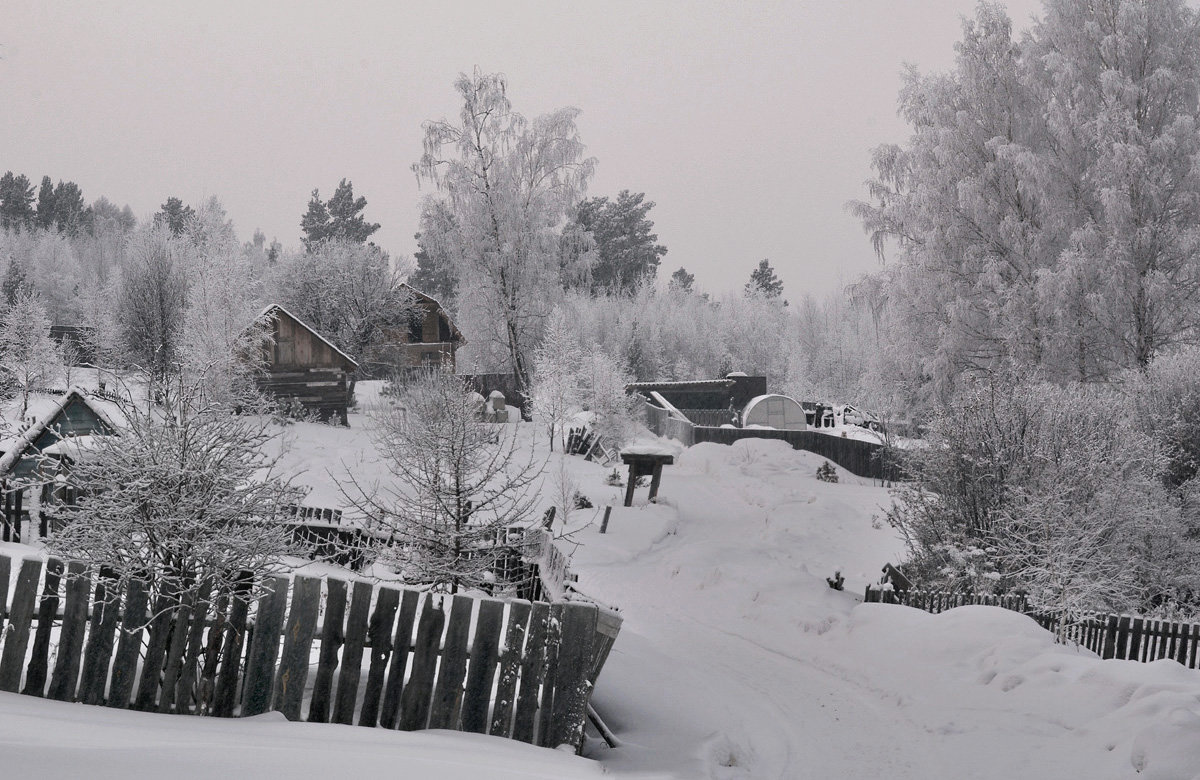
column 1109, row 636
column 861, row 458
column 380, row 656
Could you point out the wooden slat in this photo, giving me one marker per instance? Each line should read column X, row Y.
column 415, row 701
column 447, row 695
column 332, row 638
column 264, row 648
column 533, row 667
column 389, row 716
column 572, row 688
column 510, row 667
column 546, row 707
column 16, row 635
column 70, row 639
column 5, row 574
column 297, row 644
column 38, row 670
column 225, row 693
column 129, row 643
column 485, row 651
column 106, row 609
column 176, row 648
column 380, row 633
column 188, row 690
column 156, row 649
column 206, row 694
column 356, row 636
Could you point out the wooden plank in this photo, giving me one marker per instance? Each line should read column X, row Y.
column 510, row 667
column 106, row 609
column 546, row 708
column 297, row 644
column 415, row 701
column 264, row 648
column 225, row 693
column 389, row 715
column 5, row 574
column 332, row 638
column 572, row 688
column 481, row 673
column 356, row 636
column 188, row 691
column 212, row 654
column 156, row 648
column 181, row 621
column 16, row 637
column 129, row 643
column 533, row 669
column 1121, row 648
column 380, row 633
column 78, row 588
column 447, row 695
column 38, row 669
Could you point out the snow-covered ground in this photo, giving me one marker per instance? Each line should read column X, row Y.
column 736, row 660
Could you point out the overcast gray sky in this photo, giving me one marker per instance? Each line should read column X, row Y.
column 748, row 123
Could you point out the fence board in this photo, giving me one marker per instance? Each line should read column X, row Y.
column 297, row 644
column 156, row 648
column 98, row 653
column 485, row 651
column 332, row 637
column 510, row 666
column 447, row 695
column 390, row 714
column 5, row 573
column 38, row 669
column 16, row 637
column 181, row 618
column 380, row 634
column 550, row 673
column 188, row 692
column 70, row 639
column 352, row 652
column 414, row 702
column 226, row 693
column 572, row 688
column 129, row 644
column 264, row 648
column 533, row 669
column 206, row 694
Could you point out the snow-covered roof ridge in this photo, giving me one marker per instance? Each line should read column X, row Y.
column 308, row 327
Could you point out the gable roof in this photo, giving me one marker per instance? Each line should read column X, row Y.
column 275, row 307
column 455, row 333
column 46, row 414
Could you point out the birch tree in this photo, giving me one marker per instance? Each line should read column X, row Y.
column 508, row 182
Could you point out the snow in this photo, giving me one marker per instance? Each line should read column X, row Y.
column 735, row 659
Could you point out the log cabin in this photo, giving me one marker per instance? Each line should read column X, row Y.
column 302, row 365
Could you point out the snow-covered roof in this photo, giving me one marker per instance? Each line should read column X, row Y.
column 454, row 331
column 714, row 384
column 43, row 408
column 276, row 307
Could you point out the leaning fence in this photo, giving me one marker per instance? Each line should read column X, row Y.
column 323, row 650
column 1108, row 636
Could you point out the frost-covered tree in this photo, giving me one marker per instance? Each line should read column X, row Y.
column 184, row 497
column 337, row 219
column 508, row 182
column 764, row 282
column 557, row 363
column 615, row 413
column 29, row 356
column 681, row 281
column 626, row 250
column 457, row 483
column 151, row 302
column 1043, row 211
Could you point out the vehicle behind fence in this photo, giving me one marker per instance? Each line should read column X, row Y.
column 1109, row 636
column 378, row 655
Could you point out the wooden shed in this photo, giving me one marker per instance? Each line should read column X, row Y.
column 303, row 365
column 429, row 338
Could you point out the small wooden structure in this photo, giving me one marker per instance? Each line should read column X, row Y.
column 304, row 366
column 643, row 464
column 428, row 340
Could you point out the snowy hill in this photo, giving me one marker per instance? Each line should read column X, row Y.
column 736, row 660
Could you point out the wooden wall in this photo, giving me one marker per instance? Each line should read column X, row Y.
column 303, row 367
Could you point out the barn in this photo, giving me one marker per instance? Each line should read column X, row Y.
column 428, row 338
column 304, row 366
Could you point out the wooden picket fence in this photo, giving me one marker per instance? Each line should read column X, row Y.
column 381, row 656
column 1108, row 636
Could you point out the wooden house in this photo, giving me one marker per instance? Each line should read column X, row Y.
column 429, row 339
column 303, row 365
